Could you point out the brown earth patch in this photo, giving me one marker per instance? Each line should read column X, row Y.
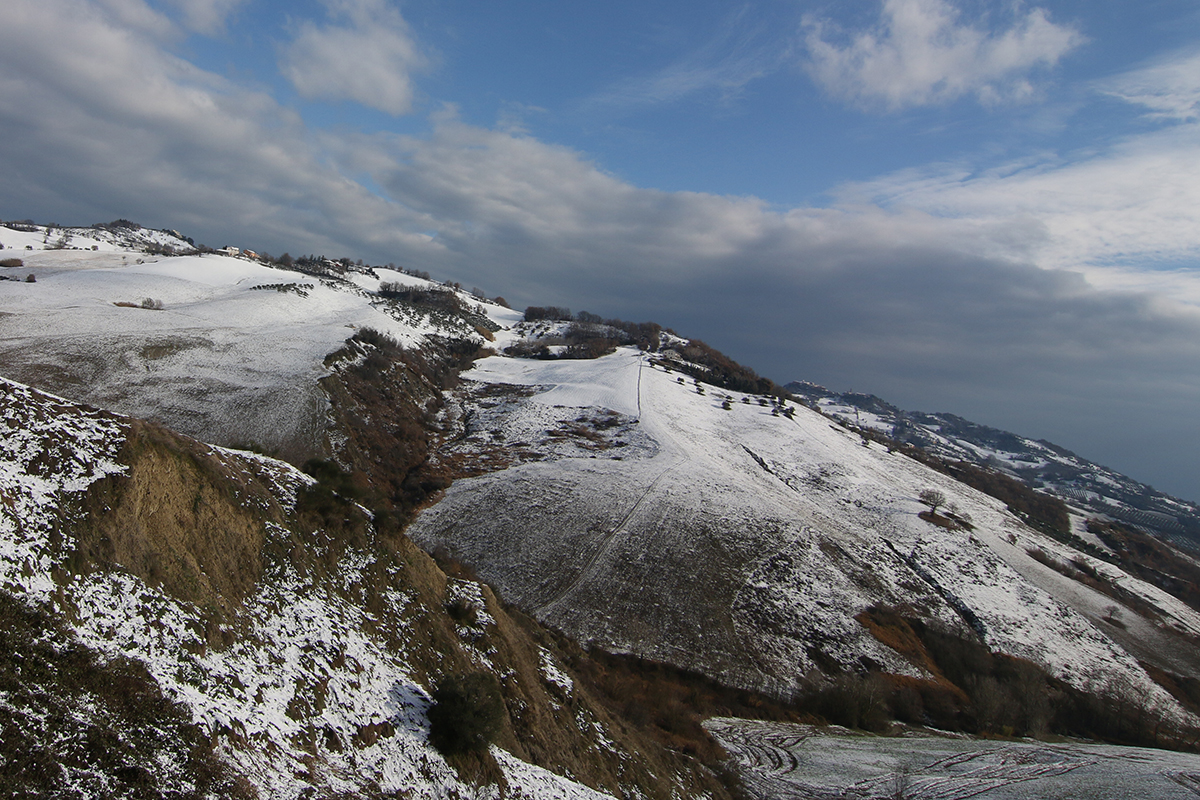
column 181, row 518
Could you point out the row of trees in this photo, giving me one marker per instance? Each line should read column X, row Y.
column 589, row 335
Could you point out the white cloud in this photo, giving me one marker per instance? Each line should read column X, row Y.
column 206, row 16
column 1128, row 217
column 132, row 14
column 1170, row 88
column 920, row 53
column 100, row 122
column 369, row 60
column 725, row 78
column 741, row 53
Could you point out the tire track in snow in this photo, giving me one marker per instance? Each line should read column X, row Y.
column 586, row 570
column 967, row 775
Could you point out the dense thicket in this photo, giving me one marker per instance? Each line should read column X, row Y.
column 1151, row 560
column 467, row 713
column 977, row 691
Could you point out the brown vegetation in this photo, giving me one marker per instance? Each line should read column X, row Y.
column 1151, row 560
column 707, row 364
column 441, row 299
column 978, row 691
column 384, row 400
column 589, row 336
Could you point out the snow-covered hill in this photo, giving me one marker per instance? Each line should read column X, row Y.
column 1090, row 487
column 615, row 499
column 228, row 348
column 301, row 685
column 121, row 236
column 301, row 641
column 744, row 542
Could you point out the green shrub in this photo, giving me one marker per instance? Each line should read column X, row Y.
column 467, row 713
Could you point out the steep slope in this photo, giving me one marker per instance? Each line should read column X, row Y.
column 747, row 542
column 303, row 657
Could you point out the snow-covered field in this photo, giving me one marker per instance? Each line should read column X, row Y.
column 236, row 347
column 803, row 762
column 735, row 540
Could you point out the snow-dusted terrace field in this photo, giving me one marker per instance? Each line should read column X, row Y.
column 802, row 762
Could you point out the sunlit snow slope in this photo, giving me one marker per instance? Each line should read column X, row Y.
column 743, row 543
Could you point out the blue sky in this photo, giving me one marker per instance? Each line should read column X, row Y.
column 981, row 206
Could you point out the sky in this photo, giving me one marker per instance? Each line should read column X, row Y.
column 987, row 207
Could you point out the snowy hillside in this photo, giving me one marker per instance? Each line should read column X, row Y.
column 302, row 686
column 598, row 487
column 119, row 236
column 300, row 638
column 1092, row 488
column 234, row 351
column 745, row 542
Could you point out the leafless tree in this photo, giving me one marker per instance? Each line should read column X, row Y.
column 932, row 498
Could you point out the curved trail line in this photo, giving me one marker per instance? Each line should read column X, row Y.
column 586, row 569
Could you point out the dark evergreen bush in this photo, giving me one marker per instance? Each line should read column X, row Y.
column 467, row 713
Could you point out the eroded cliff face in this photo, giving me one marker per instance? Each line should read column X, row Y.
column 183, row 516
